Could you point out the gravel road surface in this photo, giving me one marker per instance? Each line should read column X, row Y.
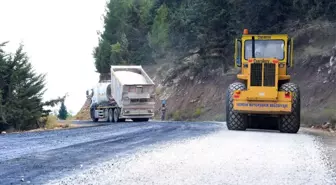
column 165, row 153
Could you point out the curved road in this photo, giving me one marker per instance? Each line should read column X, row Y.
column 165, row 153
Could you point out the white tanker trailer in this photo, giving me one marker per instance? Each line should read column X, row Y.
column 130, row 94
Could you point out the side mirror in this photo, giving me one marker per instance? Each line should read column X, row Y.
column 89, row 93
column 237, row 56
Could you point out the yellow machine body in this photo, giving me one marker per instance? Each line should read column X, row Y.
column 263, row 60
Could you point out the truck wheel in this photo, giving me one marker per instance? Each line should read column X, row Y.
column 92, row 115
column 110, row 115
column 290, row 123
column 234, row 120
column 116, row 115
column 145, row 119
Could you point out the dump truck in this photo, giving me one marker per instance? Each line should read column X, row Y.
column 263, row 88
column 128, row 95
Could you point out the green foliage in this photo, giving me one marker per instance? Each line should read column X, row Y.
column 21, row 92
column 177, row 116
column 116, row 48
column 180, row 115
column 145, row 11
column 198, row 112
column 144, row 28
column 102, row 56
column 159, row 33
column 120, row 51
column 219, row 117
column 63, row 113
column 70, row 114
column 124, row 40
column 329, row 114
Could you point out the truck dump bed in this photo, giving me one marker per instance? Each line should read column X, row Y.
column 132, row 89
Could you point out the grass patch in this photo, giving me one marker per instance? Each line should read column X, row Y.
column 53, row 123
column 318, row 118
column 330, row 115
column 186, row 115
column 177, row 115
column 198, row 112
column 220, row 117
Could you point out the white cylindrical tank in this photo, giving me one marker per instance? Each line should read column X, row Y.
column 101, row 93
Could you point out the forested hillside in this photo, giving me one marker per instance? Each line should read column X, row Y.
column 140, row 31
column 193, row 40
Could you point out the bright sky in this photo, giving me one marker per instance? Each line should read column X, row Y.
column 59, row 36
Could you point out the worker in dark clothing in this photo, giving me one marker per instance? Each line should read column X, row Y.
column 163, row 112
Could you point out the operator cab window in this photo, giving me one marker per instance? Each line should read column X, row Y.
column 265, row 49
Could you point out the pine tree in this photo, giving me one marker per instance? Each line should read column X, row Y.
column 124, row 40
column 159, row 33
column 63, row 113
column 21, row 91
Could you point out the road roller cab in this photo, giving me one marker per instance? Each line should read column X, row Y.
column 263, row 86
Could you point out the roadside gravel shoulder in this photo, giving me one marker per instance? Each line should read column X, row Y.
column 328, row 139
column 317, row 132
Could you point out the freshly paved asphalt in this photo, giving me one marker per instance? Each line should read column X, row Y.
column 165, row 153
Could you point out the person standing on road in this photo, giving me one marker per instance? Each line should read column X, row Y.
column 163, row 112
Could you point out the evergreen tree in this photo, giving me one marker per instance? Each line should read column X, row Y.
column 124, row 40
column 159, row 33
column 21, row 91
column 63, row 113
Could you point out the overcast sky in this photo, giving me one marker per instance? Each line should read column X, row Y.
column 59, row 36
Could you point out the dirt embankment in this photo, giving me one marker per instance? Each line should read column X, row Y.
column 84, row 112
column 315, row 71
